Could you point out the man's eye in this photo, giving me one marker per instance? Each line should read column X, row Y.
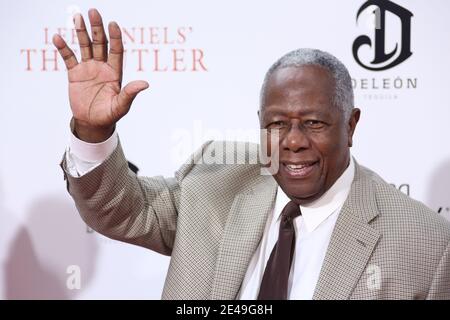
column 276, row 125
column 314, row 124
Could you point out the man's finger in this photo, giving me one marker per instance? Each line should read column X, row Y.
column 66, row 53
column 99, row 41
column 127, row 95
column 83, row 38
column 115, row 58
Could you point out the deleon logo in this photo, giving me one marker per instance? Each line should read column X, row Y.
column 385, row 60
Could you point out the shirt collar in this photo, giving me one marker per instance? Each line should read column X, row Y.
column 319, row 210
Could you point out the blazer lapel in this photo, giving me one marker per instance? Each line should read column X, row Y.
column 352, row 241
column 243, row 231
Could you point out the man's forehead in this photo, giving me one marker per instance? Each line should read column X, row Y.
column 300, row 110
column 297, row 83
column 298, row 88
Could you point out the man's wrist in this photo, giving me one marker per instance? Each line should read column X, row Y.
column 90, row 134
column 91, row 152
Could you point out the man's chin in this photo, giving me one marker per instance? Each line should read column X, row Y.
column 301, row 192
column 304, row 196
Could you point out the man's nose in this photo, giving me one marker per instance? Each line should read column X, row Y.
column 295, row 139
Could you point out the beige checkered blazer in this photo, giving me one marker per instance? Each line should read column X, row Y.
column 210, row 219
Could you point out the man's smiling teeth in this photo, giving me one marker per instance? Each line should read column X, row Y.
column 295, row 167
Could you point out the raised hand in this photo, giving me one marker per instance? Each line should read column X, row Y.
column 95, row 94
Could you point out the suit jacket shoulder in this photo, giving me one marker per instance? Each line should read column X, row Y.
column 405, row 245
column 398, row 209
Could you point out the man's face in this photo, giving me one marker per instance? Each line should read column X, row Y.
column 314, row 138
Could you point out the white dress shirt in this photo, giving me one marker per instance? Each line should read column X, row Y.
column 313, row 231
column 82, row 157
column 313, row 228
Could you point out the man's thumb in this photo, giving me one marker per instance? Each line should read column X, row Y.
column 129, row 92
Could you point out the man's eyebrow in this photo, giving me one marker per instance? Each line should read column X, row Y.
column 283, row 111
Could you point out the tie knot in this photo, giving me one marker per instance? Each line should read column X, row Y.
column 291, row 211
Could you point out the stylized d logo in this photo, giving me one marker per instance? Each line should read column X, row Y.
column 384, row 60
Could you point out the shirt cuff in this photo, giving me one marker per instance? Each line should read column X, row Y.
column 93, row 152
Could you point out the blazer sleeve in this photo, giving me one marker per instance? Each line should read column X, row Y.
column 117, row 203
column 440, row 287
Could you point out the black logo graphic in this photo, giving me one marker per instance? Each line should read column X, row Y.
column 381, row 56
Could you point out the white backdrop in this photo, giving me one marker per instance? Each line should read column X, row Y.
column 403, row 133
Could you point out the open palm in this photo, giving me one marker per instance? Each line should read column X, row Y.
column 96, row 97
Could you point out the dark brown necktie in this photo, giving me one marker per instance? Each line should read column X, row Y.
column 274, row 285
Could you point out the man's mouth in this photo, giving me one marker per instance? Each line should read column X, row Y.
column 300, row 170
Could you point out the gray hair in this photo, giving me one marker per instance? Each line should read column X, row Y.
column 343, row 96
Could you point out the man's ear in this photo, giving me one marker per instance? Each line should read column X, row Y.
column 352, row 122
column 259, row 117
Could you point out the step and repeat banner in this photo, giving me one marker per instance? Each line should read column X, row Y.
column 205, row 62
